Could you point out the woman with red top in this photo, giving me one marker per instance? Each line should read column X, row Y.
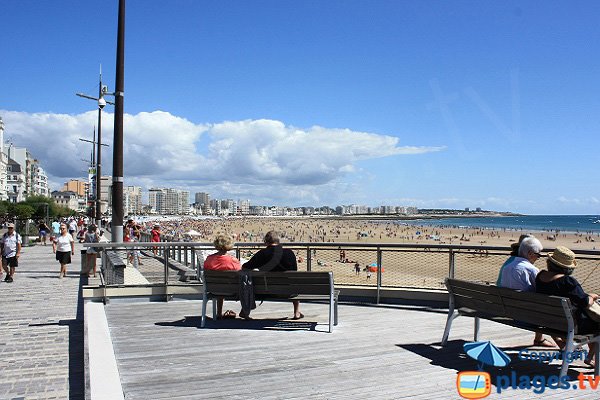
column 155, row 232
column 221, row 261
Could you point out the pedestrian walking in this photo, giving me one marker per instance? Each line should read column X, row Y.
column 11, row 250
column 43, row 231
column 64, row 247
column 91, row 236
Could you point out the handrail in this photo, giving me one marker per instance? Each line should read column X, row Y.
column 332, row 245
column 410, row 266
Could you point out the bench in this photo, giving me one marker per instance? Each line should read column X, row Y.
column 272, row 286
column 534, row 312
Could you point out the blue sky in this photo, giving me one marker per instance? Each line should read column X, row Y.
column 425, row 103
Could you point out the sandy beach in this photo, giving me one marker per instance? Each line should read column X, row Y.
column 346, row 230
column 419, row 268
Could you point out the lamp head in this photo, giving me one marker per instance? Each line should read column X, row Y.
column 101, row 103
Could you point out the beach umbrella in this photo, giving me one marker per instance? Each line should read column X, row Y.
column 486, row 353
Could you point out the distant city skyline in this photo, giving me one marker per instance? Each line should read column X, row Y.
column 444, row 105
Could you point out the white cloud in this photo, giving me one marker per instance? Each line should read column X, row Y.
column 254, row 151
column 250, row 158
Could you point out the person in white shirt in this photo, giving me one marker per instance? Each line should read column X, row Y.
column 519, row 273
column 11, row 250
column 64, row 247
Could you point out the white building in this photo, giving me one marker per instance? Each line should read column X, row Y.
column 34, row 177
column 169, row 201
column 40, row 182
column 15, row 182
column 132, row 199
column 244, row 207
column 67, row 199
column 3, row 165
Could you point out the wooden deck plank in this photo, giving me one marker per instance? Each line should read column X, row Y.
column 386, row 352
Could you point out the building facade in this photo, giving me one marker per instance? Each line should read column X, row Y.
column 67, row 199
column 132, row 200
column 15, row 182
column 168, row 201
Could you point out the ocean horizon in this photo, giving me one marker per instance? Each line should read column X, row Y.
column 527, row 223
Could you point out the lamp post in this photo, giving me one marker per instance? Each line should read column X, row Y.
column 102, row 91
column 117, row 184
column 95, row 169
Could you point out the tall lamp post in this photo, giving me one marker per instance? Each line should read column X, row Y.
column 117, row 184
column 102, row 91
column 95, row 169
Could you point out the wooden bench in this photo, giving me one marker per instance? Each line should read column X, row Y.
column 272, row 286
column 526, row 310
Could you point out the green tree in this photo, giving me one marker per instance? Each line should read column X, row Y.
column 21, row 211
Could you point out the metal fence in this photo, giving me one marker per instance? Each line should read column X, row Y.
column 379, row 265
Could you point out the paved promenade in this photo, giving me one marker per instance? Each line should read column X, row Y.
column 41, row 329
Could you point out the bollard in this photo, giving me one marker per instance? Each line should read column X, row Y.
column 85, row 269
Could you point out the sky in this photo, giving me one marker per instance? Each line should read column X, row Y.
column 433, row 104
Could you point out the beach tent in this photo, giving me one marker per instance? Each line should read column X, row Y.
column 373, row 267
column 193, row 233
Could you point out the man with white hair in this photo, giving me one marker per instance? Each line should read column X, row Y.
column 519, row 274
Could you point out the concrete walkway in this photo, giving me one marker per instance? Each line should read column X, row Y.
column 41, row 329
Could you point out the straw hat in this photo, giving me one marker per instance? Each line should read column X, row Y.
column 563, row 257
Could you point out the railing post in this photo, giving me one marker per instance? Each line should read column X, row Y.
column 308, row 258
column 185, row 255
column 166, row 266
column 451, row 266
column 378, row 273
column 193, row 256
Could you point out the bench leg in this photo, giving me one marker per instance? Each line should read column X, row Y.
column 595, row 341
column 214, row 307
column 451, row 316
column 335, row 312
column 203, row 320
column 476, row 329
column 568, row 350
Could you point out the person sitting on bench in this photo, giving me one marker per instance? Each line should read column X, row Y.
column 518, row 272
column 221, row 261
column 274, row 258
column 557, row 281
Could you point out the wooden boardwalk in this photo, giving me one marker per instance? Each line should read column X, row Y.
column 377, row 352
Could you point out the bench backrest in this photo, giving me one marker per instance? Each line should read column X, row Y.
column 527, row 307
column 284, row 283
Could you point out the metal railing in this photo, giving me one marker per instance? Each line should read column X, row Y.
column 380, row 266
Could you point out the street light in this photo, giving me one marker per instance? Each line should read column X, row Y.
column 92, row 169
column 117, row 183
column 102, row 91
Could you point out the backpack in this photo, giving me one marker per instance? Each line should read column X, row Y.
column 6, row 235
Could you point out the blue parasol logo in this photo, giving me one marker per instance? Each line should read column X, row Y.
column 486, row 353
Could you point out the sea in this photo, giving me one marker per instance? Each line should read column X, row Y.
column 548, row 223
